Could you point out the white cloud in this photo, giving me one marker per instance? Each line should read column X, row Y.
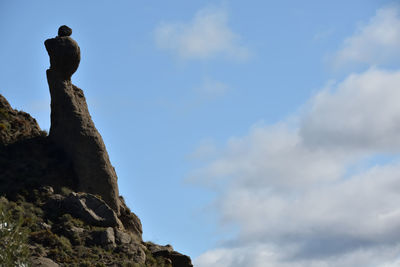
column 377, row 42
column 302, row 192
column 267, row 256
column 206, row 36
column 204, row 151
column 263, row 157
column 288, row 187
column 212, row 88
column 362, row 112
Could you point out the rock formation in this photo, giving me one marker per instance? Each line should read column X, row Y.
column 16, row 125
column 71, row 125
column 59, row 192
column 64, row 53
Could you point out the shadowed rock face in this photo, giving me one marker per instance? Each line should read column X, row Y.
column 71, row 125
column 64, row 53
column 16, row 125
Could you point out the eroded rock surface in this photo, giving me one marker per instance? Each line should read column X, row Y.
column 16, row 125
column 64, row 186
column 177, row 259
column 43, row 262
column 85, row 207
column 72, row 127
column 64, row 52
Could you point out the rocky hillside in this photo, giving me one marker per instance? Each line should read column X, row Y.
column 62, row 227
column 60, row 204
column 16, row 125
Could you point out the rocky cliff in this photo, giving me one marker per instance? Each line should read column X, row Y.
column 60, row 191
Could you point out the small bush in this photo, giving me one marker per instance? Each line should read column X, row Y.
column 14, row 249
column 4, row 126
column 44, row 133
column 4, row 114
column 68, row 220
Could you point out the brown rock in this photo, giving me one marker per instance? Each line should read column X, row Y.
column 130, row 221
column 177, row 259
column 73, row 130
column 134, row 251
column 64, row 53
column 104, row 238
column 16, row 125
column 122, row 237
column 91, row 210
column 43, row 262
column 64, row 31
column 85, row 207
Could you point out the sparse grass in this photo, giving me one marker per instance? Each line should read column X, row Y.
column 4, row 114
column 14, row 249
column 4, row 126
column 152, row 261
column 53, row 238
column 44, row 133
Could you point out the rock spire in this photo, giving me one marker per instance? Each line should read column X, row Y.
column 64, row 53
column 72, row 128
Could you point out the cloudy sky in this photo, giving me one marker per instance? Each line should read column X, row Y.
column 264, row 133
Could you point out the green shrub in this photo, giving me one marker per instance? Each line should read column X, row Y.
column 14, row 249
column 4, row 114
column 67, row 220
column 49, row 239
column 4, row 126
column 155, row 261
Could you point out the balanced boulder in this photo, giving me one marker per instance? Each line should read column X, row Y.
column 72, row 127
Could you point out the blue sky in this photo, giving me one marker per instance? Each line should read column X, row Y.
column 258, row 134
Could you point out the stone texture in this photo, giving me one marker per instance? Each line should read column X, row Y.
column 64, row 52
column 91, row 210
column 154, row 248
column 43, row 262
column 177, row 259
column 64, row 30
column 134, row 251
column 104, row 238
column 130, row 221
column 84, row 206
column 31, row 162
column 74, row 135
column 122, row 237
column 16, row 125
column 72, row 127
column 139, row 255
column 180, row 260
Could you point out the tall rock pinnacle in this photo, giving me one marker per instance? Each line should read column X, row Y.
column 71, row 125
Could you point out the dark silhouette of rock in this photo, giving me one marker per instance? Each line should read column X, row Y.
column 16, row 125
column 104, row 238
column 91, row 209
column 64, row 53
column 130, row 221
column 28, row 159
column 177, row 259
column 85, row 207
column 64, row 31
column 72, row 127
column 40, row 175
